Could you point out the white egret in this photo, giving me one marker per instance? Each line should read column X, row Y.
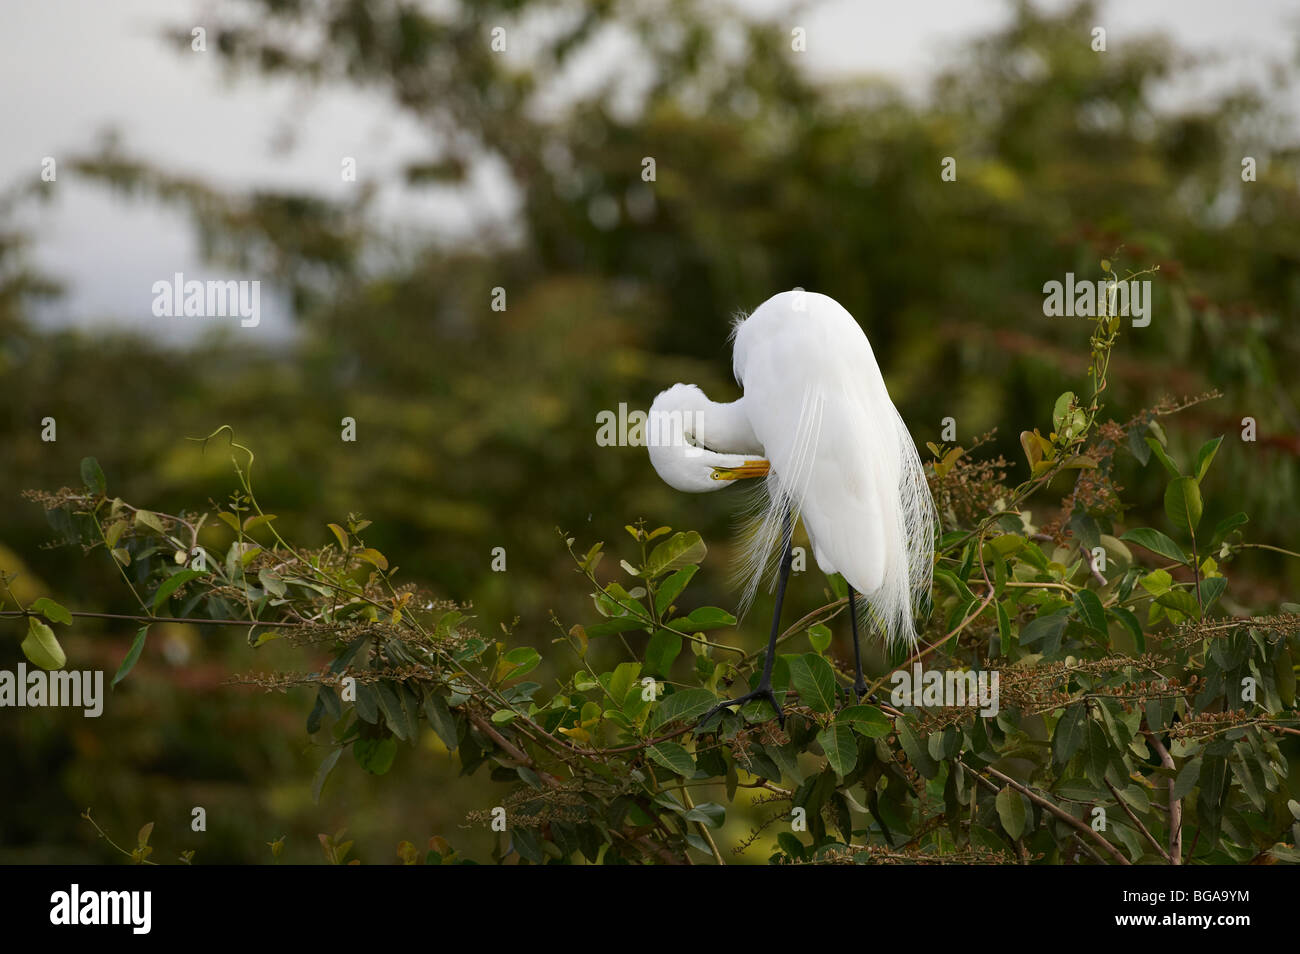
column 817, row 423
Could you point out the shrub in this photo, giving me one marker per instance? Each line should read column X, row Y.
column 1138, row 720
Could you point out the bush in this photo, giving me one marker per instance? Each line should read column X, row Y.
column 1137, row 719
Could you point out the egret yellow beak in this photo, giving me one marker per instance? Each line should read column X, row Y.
column 750, row 468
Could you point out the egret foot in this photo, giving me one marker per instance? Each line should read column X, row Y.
column 856, row 694
column 857, row 689
column 762, row 692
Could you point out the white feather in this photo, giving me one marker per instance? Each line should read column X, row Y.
column 841, row 458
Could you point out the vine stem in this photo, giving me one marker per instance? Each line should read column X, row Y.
column 704, row 829
column 103, row 834
column 1196, row 572
column 127, row 617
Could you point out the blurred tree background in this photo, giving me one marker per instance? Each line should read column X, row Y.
column 476, row 428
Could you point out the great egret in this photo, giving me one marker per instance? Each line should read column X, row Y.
column 816, row 421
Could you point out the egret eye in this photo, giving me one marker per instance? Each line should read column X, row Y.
column 750, row 468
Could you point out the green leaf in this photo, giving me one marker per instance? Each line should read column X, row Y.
column 255, row 521
column 672, row 587
column 1061, row 409
column 621, row 680
column 1250, row 775
column 1215, row 776
column 710, row 813
column 820, row 636
column 841, row 747
column 271, row 582
column 954, row 583
column 92, row 475
column 1090, row 611
column 1156, row 582
column 528, row 844
column 1098, row 752
column 171, row 585
column 367, row 703
column 610, row 627
column 1137, row 445
column 131, row 657
column 1205, row 457
column 1156, row 542
column 1077, row 789
column 673, row 757
column 41, row 646
column 814, row 680
column 1183, row 503
column 440, row 718
column 1225, row 527
column 323, row 773
column 1071, row 729
column 916, row 753
column 679, row 550
column 1187, row 778
column 51, row 611
column 149, row 520
column 702, row 618
column 374, row 558
column 391, row 706
column 1130, row 622
column 1135, row 797
column 1284, row 676
column 865, row 720
column 521, row 661
column 1181, row 601
column 684, row 705
column 1158, row 449
column 1011, row 811
column 1085, row 528
column 375, row 755
column 662, row 651
column 1049, row 628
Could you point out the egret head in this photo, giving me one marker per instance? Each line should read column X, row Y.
column 680, row 438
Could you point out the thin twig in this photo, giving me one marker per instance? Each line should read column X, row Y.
column 1138, row 822
column 1175, row 804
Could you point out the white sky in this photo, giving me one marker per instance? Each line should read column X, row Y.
column 73, row 68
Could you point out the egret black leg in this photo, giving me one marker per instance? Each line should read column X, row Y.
column 764, row 688
column 859, row 684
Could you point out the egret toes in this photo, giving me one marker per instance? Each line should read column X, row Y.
column 762, row 692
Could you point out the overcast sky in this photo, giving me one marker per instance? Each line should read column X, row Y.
column 72, row 68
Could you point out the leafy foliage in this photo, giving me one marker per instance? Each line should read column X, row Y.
column 1134, row 724
column 768, row 178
